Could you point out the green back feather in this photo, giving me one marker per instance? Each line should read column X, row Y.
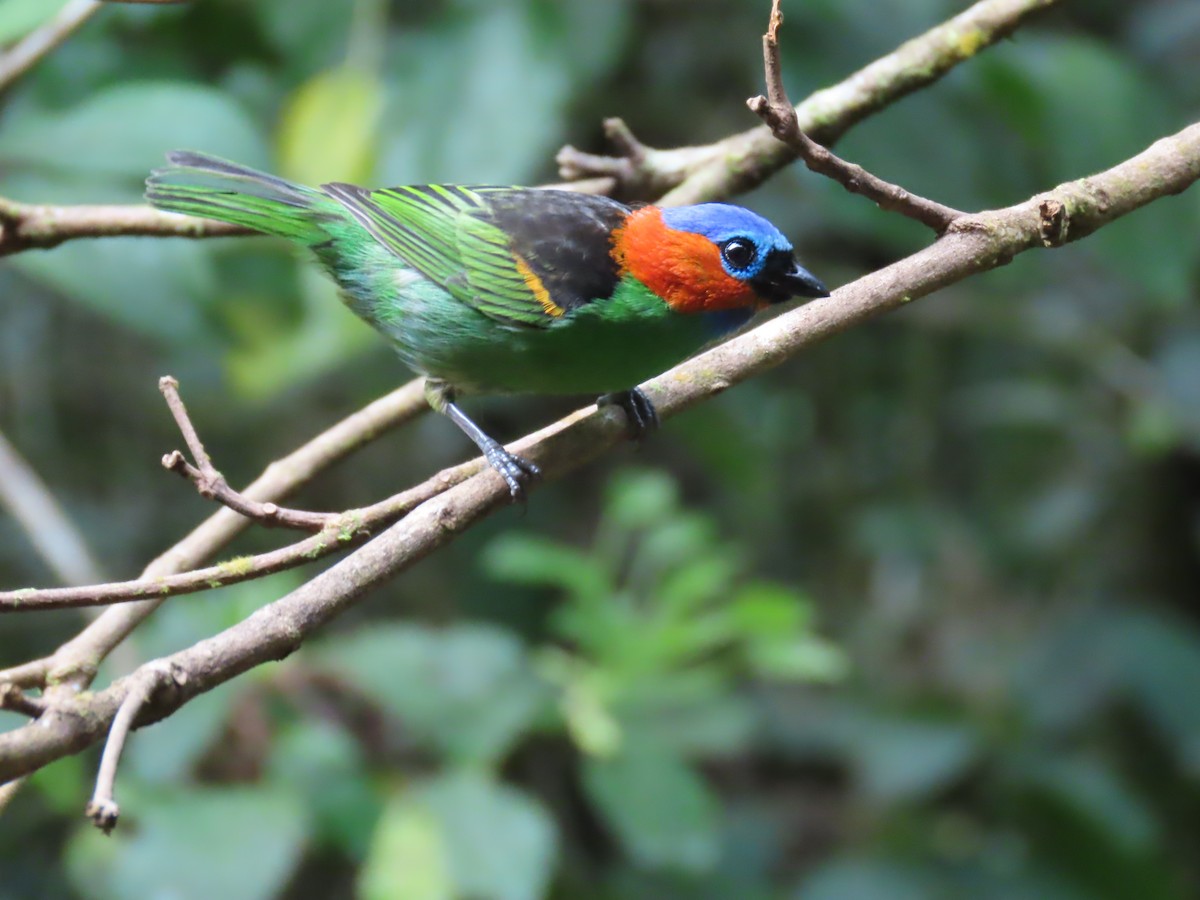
column 445, row 232
column 448, row 233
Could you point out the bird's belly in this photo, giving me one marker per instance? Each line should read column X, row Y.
column 594, row 349
column 479, row 355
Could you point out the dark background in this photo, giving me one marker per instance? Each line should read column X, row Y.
column 914, row 615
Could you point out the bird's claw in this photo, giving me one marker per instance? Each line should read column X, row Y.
column 642, row 416
column 516, row 471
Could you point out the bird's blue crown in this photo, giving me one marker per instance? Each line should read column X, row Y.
column 723, row 222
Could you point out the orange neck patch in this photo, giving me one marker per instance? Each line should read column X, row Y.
column 681, row 267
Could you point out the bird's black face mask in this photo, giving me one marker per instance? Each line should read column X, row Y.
column 782, row 278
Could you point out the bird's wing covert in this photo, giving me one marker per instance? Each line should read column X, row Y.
column 446, row 232
column 519, row 255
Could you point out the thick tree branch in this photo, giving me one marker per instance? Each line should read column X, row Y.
column 974, row 244
column 780, row 115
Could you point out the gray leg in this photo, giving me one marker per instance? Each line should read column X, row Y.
column 515, row 471
column 643, row 417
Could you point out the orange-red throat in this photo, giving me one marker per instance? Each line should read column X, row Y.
column 682, row 267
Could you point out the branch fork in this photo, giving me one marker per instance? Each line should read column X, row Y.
column 14, row 699
column 779, row 114
column 149, row 680
column 969, row 246
column 212, row 485
column 626, row 169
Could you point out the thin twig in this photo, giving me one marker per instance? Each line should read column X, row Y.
column 42, row 40
column 30, row 502
column 212, row 484
column 102, row 809
column 8, row 791
column 76, row 661
column 28, row 226
column 980, row 243
column 16, row 700
column 677, row 176
column 635, row 172
column 744, row 161
column 343, row 531
column 780, row 115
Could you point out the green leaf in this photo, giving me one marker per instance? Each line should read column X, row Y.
column 468, row 689
column 868, row 879
column 1079, row 818
column 903, row 759
column 639, row 498
column 323, row 763
column 407, row 859
column 767, row 609
column 154, row 288
column 461, row 835
column 700, row 580
column 63, row 782
column 232, row 843
column 716, row 723
column 123, row 131
column 662, row 812
column 19, row 17
column 806, row 659
column 508, row 80
column 1096, row 793
column 895, row 758
column 165, row 753
column 532, row 560
column 1159, row 661
column 326, row 335
column 676, row 543
column 327, row 129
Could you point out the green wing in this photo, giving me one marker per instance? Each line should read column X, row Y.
column 446, row 233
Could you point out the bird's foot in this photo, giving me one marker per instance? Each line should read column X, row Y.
column 640, row 412
column 516, row 471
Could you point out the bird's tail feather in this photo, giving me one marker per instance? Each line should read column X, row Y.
column 202, row 185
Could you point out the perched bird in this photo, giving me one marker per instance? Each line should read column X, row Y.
column 488, row 289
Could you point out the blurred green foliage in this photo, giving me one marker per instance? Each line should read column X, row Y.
column 989, row 502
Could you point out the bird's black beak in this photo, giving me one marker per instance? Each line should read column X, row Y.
column 802, row 283
column 782, row 278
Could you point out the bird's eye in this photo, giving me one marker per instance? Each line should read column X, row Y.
column 739, row 253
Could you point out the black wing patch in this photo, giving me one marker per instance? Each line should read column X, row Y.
column 565, row 238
